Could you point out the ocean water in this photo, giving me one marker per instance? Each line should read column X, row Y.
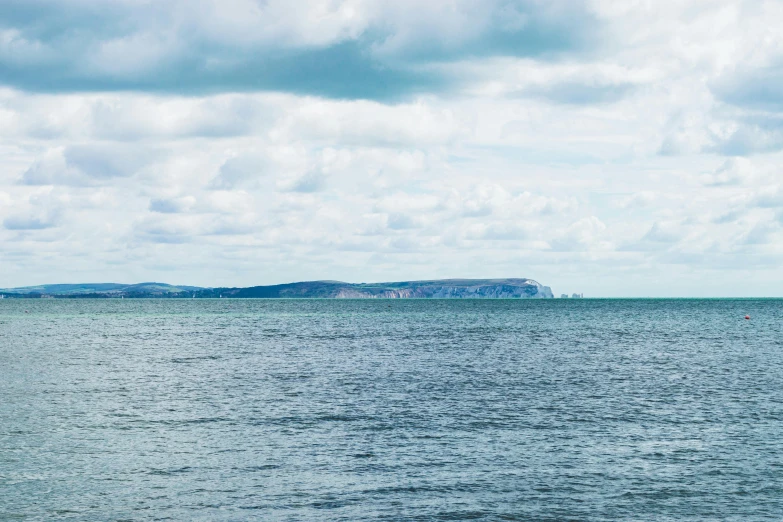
column 391, row 410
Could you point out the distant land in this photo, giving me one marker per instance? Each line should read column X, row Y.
column 437, row 289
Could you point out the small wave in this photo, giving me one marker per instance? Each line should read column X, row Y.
column 262, row 467
column 169, row 472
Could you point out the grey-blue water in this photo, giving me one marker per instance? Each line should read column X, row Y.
column 391, row 410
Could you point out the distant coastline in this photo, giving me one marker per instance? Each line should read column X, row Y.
column 513, row 288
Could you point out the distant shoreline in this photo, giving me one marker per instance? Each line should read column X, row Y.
column 511, row 288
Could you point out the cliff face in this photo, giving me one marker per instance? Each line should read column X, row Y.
column 450, row 289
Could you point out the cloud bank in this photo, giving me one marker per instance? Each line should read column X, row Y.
column 610, row 148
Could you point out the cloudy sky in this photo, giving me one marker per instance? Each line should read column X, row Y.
column 611, row 147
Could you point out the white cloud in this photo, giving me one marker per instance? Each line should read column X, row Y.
column 363, row 122
column 172, row 205
column 81, row 164
column 734, row 171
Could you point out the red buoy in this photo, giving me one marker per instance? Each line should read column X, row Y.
column 747, row 317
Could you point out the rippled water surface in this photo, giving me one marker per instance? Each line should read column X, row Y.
column 391, row 410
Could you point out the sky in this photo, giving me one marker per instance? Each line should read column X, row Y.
column 614, row 148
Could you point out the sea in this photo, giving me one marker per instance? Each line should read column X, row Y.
column 309, row 410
